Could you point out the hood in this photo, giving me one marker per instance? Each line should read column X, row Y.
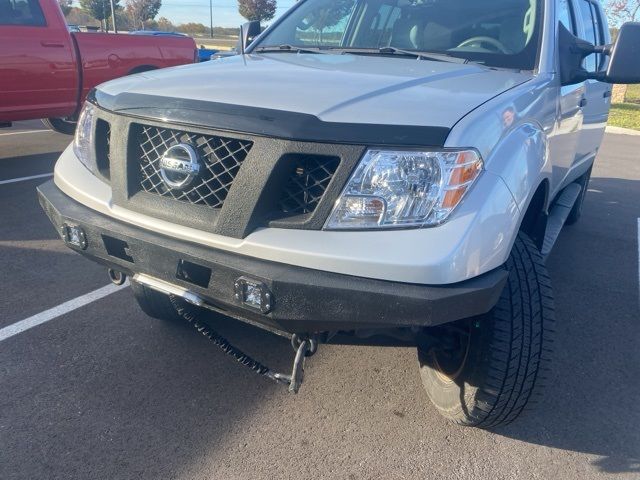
column 333, row 88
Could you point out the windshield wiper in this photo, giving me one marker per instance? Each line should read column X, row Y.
column 420, row 55
column 442, row 57
column 288, row 48
column 439, row 57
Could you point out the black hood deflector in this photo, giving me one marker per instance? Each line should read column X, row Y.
column 267, row 122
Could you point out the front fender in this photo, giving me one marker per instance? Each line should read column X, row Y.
column 521, row 159
column 511, row 133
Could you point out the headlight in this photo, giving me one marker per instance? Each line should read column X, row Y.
column 392, row 189
column 83, row 141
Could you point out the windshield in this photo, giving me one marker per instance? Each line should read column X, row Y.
column 499, row 33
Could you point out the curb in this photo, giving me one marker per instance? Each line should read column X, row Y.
column 622, row 131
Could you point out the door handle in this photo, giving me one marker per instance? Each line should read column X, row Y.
column 45, row 43
column 583, row 102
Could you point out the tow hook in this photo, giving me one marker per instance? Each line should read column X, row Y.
column 116, row 277
column 304, row 347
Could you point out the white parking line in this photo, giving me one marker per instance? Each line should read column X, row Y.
column 24, row 179
column 21, row 133
column 55, row 312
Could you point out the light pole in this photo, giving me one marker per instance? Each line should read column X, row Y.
column 113, row 17
column 211, row 18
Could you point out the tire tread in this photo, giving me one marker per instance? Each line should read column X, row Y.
column 519, row 344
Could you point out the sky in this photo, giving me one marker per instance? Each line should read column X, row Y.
column 225, row 12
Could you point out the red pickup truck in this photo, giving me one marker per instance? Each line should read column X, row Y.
column 46, row 71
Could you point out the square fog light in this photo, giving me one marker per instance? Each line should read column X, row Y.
column 253, row 294
column 74, row 235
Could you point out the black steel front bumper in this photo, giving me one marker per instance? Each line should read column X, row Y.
column 303, row 300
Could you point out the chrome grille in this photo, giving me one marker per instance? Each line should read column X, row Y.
column 221, row 160
column 307, row 183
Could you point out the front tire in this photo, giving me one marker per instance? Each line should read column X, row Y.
column 60, row 125
column 490, row 367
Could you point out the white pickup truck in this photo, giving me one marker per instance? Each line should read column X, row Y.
column 363, row 168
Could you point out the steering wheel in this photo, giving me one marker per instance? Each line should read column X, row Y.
column 486, row 40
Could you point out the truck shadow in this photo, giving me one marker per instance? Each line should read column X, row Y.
column 590, row 404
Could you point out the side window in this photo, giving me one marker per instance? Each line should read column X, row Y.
column 21, row 12
column 586, row 13
column 565, row 16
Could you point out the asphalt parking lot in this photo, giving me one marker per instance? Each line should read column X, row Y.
column 105, row 392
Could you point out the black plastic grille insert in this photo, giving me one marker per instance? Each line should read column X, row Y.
column 307, row 183
column 103, row 148
column 221, row 160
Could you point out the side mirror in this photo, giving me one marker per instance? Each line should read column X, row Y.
column 573, row 51
column 248, row 32
column 624, row 64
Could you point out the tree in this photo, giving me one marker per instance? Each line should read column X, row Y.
column 260, row 10
column 124, row 21
column 65, row 6
column 324, row 18
column 79, row 17
column 100, row 9
column 620, row 11
column 165, row 25
column 141, row 11
column 192, row 28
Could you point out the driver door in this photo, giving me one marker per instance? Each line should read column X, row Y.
column 598, row 94
column 564, row 142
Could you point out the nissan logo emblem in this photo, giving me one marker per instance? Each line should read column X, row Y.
column 179, row 166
